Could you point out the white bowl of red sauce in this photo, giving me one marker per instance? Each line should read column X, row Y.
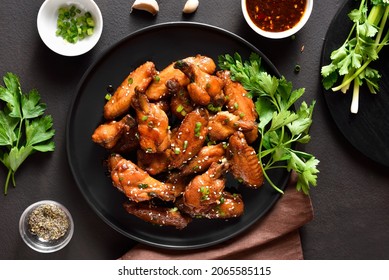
column 276, row 19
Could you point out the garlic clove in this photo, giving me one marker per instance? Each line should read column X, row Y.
column 150, row 6
column 190, row 6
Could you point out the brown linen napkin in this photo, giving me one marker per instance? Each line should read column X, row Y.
column 274, row 237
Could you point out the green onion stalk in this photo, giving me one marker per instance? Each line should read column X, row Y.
column 378, row 18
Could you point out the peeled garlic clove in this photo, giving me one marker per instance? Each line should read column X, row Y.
column 190, row 6
column 150, row 6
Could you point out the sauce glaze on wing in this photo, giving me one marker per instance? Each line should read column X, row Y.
column 244, row 161
column 153, row 124
column 239, row 104
column 188, row 140
column 203, row 88
column 162, row 216
column 207, row 188
column 158, row 88
column 120, row 101
column 136, row 183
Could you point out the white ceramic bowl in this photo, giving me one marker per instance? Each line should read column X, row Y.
column 47, row 27
column 282, row 34
column 37, row 243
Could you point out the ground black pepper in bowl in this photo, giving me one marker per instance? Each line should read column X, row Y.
column 46, row 226
column 48, row 222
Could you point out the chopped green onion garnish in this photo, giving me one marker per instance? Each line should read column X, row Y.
column 143, row 186
column 197, row 129
column 214, row 108
column 73, row 25
column 179, row 108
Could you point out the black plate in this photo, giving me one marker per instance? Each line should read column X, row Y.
column 368, row 130
column 161, row 44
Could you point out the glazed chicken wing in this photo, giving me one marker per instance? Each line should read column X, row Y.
column 162, row 216
column 224, row 124
column 204, row 63
column 108, row 134
column 244, row 161
column 153, row 124
column 203, row 160
column 120, row 101
column 207, row 188
column 158, row 88
column 189, row 138
column 136, row 183
column 229, row 206
column 117, row 136
column 239, row 103
column 203, row 88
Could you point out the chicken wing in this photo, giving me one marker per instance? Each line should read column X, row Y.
column 203, row 88
column 117, row 136
column 108, row 134
column 153, row 124
column 203, row 160
column 158, row 88
column 224, row 124
column 244, row 161
column 239, row 103
column 229, row 206
column 120, row 101
column 189, row 138
column 207, row 188
column 136, row 183
column 162, row 216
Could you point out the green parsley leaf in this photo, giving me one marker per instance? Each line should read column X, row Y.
column 7, row 129
column 39, row 131
column 24, row 129
column 31, row 106
column 11, row 94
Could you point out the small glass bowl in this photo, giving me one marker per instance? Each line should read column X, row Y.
column 40, row 244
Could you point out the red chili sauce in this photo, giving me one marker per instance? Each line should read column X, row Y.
column 275, row 15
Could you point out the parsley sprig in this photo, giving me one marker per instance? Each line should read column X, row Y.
column 280, row 126
column 23, row 128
